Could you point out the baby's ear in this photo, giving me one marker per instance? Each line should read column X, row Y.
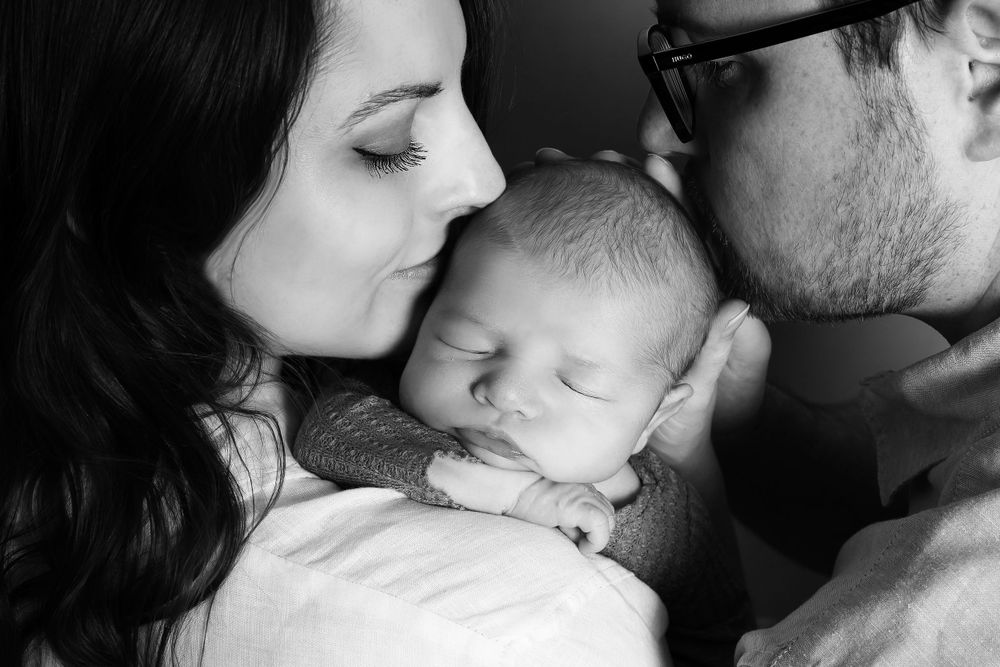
column 669, row 406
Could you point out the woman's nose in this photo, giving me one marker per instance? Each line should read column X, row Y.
column 508, row 392
column 476, row 178
column 655, row 132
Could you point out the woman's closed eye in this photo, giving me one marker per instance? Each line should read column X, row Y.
column 383, row 164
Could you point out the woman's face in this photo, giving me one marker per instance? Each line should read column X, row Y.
column 383, row 156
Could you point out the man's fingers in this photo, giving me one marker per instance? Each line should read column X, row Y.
column 740, row 390
column 521, row 166
column 667, row 175
column 615, row 156
column 548, row 155
column 714, row 353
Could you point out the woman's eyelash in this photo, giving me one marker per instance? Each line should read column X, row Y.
column 383, row 164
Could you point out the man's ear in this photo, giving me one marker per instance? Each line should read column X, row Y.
column 974, row 28
column 669, row 406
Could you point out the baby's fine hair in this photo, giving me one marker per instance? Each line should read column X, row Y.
column 615, row 228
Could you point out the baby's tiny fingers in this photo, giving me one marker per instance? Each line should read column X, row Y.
column 598, row 533
column 572, row 532
column 602, row 501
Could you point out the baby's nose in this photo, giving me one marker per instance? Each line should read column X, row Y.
column 508, row 392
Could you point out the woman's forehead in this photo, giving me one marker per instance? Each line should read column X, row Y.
column 376, row 48
column 391, row 35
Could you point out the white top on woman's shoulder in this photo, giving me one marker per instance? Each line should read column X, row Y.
column 369, row 577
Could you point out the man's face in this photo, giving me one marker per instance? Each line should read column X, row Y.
column 818, row 185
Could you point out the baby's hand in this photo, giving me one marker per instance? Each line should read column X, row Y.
column 580, row 511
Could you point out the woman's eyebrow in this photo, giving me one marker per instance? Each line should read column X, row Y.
column 380, row 100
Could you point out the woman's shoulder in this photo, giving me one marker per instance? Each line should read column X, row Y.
column 369, row 575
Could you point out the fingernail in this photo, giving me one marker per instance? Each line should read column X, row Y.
column 548, row 148
column 733, row 324
column 675, row 159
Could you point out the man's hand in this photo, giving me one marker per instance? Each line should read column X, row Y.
column 580, row 511
column 727, row 388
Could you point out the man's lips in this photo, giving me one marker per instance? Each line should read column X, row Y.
column 495, row 442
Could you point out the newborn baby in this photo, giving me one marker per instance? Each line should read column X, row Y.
column 552, row 352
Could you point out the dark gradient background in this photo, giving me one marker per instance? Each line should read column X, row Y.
column 571, row 81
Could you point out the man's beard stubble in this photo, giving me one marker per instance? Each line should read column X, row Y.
column 893, row 230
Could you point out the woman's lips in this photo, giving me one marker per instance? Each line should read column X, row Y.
column 424, row 271
column 492, row 441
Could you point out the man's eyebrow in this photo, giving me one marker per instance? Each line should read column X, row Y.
column 695, row 29
column 380, row 100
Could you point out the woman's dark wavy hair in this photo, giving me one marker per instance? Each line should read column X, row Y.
column 133, row 136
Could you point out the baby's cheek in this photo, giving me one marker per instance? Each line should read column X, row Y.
column 430, row 393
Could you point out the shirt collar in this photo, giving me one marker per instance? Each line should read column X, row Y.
column 934, row 408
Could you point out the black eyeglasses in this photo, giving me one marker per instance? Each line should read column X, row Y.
column 665, row 64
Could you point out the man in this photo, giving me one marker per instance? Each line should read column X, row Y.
column 851, row 172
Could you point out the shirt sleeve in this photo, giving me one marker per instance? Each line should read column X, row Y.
column 356, row 438
column 666, row 537
column 920, row 590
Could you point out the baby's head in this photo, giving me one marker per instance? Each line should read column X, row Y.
column 571, row 307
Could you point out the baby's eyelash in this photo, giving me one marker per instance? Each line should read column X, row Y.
column 478, row 353
column 572, row 387
column 383, row 164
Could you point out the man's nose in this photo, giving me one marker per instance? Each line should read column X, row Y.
column 509, row 392
column 655, row 132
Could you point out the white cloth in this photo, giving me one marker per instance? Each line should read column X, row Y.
column 368, row 577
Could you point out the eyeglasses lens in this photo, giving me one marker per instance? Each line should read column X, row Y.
column 675, row 94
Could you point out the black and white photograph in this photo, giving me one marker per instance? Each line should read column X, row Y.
column 500, row 333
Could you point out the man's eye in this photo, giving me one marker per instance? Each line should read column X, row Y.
column 383, row 164
column 718, row 73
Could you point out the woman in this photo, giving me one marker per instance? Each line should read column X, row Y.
column 193, row 191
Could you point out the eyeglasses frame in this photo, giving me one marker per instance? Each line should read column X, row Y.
column 656, row 63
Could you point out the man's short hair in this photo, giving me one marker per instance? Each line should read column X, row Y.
column 873, row 44
column 613, row 228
